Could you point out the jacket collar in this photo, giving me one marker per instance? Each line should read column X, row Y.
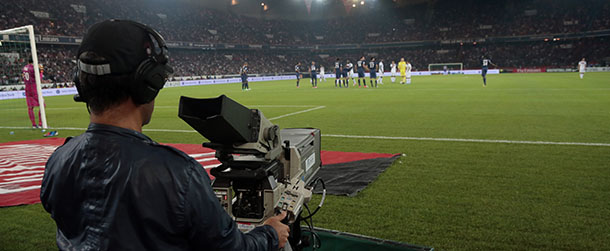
column 94, row 127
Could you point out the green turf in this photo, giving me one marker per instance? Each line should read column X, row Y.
column 448, row 195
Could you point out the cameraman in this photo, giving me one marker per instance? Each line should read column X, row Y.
column 113, row 188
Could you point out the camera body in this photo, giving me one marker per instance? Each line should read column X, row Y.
column 263, row 169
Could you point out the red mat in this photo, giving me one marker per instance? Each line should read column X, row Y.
column 22, row 165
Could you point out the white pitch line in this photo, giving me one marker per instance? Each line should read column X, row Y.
column 281, row 106
column 299, row 112
column 65, row 108
column 368, row 137
column 270, row 106
column 470, row 140
column 386, row 137
column 33, row 129
column 83, row 129
column 168, row 130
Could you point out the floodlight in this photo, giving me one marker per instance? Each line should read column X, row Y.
column 361, row 2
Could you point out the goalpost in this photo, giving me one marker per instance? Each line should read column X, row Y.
column 17, row 47
column 450, row 66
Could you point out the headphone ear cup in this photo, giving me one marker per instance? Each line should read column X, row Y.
column 156, row 76
column 149, row 80
column 76, row 80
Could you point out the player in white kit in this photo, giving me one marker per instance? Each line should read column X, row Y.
column 381, row 70
column 322, row 73
column 393, row 71
column 409, row 72
column 350, row 72
column 582, row 65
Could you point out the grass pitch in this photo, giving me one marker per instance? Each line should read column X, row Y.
column 449, row 191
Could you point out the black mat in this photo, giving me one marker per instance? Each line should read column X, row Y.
column 349, row 178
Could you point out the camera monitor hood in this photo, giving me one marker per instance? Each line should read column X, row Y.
column 221, row 120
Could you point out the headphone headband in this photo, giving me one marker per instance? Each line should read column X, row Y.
column 150, row 75
column 160, row 41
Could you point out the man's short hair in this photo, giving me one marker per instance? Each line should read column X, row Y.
column 110, row 90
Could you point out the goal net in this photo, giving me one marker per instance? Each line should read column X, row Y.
column 446, row 66
column 21, row 101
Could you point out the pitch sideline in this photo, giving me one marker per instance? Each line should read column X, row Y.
column 174, row 130
column 501, row 141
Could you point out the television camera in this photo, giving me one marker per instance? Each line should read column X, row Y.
column 263, row 169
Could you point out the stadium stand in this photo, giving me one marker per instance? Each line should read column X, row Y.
column 448, row 32
column 182, row 22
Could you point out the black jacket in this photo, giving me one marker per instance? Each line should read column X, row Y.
column 115, row 189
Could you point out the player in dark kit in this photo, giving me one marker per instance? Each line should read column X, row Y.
column 348, row 67
column 314, row 76
column 338, row 69
column 360, row 67
column 244, row 77
column 373, row 72
column 485, row 63
column 297, row 69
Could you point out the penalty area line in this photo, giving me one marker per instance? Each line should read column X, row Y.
column 502, row 141
column 299, row 112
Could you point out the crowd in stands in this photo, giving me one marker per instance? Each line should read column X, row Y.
column 58, row 61
column 57, row 64
column 205, row 63
column 443, row 20
column 564, row 54
column 10, row 72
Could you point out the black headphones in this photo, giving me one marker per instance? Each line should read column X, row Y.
column 150, row 76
